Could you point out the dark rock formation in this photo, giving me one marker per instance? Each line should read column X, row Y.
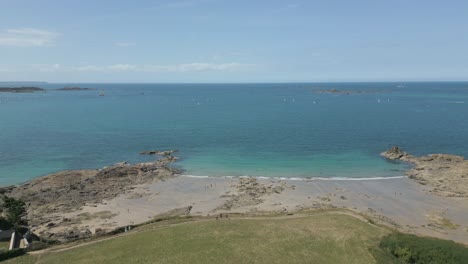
column 158, row 152
column 6, row 189
column 75, row 89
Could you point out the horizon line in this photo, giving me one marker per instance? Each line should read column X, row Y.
column 280, row 82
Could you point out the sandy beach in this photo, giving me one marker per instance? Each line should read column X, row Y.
column 71, row 205
column 398, row 202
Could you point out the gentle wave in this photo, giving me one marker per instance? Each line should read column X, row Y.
column 300, row 179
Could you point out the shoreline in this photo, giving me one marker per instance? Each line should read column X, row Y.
column 72, row 205
column 311, row 178
column 300, row 178
column 398, row 203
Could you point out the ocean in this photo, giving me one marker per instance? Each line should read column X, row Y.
column 270, row 130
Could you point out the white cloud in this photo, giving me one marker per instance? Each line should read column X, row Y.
column 122, row 67
column 27, row 37
column 47, row 67
column 86, row 68
column 209, row 66
column 124, row 44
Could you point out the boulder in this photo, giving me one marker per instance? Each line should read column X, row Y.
column 394, row 153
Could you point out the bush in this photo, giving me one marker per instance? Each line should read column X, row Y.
column 5, row 224
column 15, row 210
column 406, row 248
column 11, row 254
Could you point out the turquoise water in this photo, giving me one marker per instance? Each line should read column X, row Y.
column 281, row 130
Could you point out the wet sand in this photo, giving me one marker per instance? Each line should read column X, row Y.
column 399, row 202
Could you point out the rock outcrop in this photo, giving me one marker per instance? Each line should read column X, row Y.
column 395, row 153
column 250, row 192
column 446, row 174
column 164, row 153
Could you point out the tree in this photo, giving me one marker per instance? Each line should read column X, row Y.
column 15, row 210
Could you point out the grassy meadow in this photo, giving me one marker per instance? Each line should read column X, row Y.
column 323, row 237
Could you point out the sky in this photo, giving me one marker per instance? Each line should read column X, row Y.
column 184, row 41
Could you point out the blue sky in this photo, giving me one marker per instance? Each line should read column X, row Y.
column 233, row 41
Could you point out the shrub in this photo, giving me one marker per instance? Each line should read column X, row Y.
column 5, row 224
column 11, row 254
column 406, row 248
column 15, row 210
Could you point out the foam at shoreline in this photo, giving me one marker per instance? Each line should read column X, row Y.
column 301, row 179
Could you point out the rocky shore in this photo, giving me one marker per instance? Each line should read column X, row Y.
column 249, row 191
column 446, row 174
column 72, row 205
column 48, row 198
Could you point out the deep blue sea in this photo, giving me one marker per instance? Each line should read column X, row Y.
column 272, row 130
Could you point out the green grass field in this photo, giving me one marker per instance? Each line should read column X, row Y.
column 323, row 237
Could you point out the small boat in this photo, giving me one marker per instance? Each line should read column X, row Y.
column 101, row 93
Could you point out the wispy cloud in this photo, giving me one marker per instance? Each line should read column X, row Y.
column 124, row 44
column 150, row 68
column 27, row 37
column 186, row 3
column 185, row 67
column 46, row 67
column 288, row 7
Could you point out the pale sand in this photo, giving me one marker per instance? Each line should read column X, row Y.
column 399, row 202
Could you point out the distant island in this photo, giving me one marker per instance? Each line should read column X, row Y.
column 19, row 82
column 75, row 89
column 336, row 91
column 32, row 89
column 20, row 89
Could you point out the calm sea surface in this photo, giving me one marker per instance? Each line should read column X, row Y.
column 277, row 130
